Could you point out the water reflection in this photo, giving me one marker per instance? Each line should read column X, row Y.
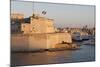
column 87, row 53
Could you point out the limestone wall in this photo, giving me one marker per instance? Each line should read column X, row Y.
column 25, row 27
column 52, row 40
column 42, row 25
column 38, row 41
column 66, row 37
column 19, row 42
column 56, row 38
column 38, row 25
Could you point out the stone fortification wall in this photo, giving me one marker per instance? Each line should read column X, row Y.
column 38, row 41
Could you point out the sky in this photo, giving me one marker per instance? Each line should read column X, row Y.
column 64, row 15
column 23, row 7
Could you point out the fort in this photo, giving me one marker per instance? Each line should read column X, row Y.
column 38, row 25
column 39, row 33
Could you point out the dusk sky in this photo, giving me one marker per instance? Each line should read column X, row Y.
column 64, row 15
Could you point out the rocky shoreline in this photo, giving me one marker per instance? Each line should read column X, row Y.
column 59, row 47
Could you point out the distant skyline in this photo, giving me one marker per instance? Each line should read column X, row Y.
column 23, row 7
column 64, row 15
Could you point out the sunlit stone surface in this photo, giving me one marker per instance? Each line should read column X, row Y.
column 38, row 34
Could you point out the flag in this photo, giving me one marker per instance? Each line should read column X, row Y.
column 44, row 12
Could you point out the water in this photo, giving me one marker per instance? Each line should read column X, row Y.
column 85, row 54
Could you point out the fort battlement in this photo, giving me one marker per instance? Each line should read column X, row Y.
column 39, row 34
column 25, row 42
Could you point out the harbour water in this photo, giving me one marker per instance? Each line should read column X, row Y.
column 85, row 54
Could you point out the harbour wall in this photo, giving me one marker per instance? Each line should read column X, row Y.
column 31, row 42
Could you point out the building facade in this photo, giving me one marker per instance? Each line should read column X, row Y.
column 38, row 33
column 17, row 16
column 38, row 25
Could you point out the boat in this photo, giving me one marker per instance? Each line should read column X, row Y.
column 85, row 37
column 76, row 37
column 89, row 42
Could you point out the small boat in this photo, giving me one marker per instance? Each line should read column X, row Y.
column 89, row 42
column 76, row 37
column 85, row 37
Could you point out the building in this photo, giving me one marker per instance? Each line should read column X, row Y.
column 23, row 42
column 38, row 25
column 17, row 16
column 16, row 20
column 37, row 34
